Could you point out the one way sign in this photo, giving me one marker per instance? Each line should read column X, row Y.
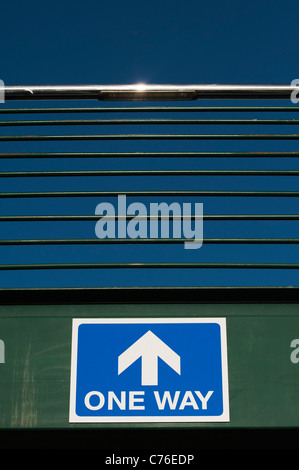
column 149, row 370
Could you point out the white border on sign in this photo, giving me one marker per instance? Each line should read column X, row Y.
column 74, row 418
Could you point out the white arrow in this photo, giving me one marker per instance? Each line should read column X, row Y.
column 149, row 347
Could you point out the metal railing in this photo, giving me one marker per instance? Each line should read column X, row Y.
column 142, row 92
column 137, row 93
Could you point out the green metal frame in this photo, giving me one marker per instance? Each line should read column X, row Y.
column 51, row 336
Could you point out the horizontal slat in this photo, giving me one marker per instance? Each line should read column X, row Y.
column 151, row 155
column 86, row 218
column 37, row 138
column 140, row 241
column 11, row 267
column 151, row 194
column 26, row 174
column 150, row 109
column 131, row 122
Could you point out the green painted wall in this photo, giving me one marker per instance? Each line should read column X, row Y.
column 35, row 378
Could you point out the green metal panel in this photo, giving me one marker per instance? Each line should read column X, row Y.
column 263, row 380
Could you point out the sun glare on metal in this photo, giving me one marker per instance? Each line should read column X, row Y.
column 140, row 87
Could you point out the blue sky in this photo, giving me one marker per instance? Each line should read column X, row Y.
column 156, row 42
column 152, row 42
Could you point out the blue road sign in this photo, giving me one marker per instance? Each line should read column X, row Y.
column 149, row 370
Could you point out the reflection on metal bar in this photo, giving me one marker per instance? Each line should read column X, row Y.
column 154, row 241
column 87, row 218
column 148, row 92
column 12, row 267
column 151, row 193
column 151, row 155
column 31, row 138
column 30, row 174
column 147, row 95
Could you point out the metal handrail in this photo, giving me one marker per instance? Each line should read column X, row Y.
column 148, row 92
